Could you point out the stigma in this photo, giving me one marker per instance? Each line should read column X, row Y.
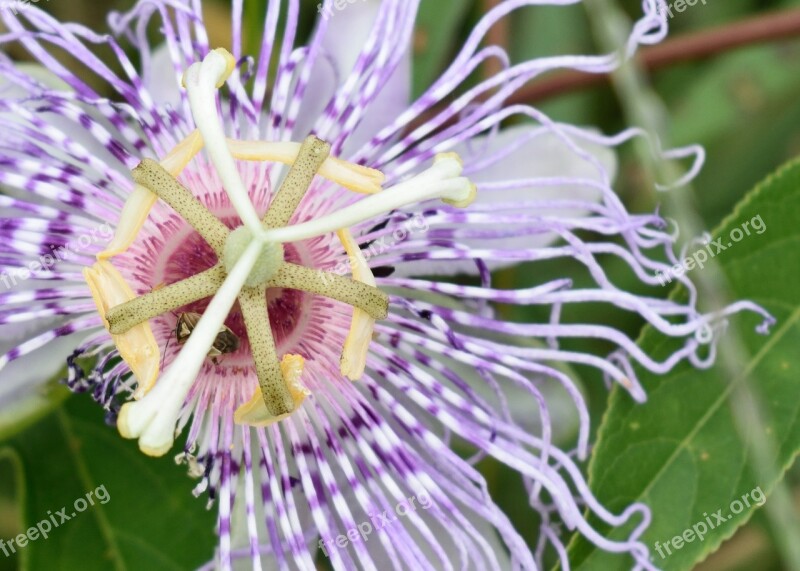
column 250, row 261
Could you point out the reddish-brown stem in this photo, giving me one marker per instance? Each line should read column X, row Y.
column 690, row 47
column 498, row 35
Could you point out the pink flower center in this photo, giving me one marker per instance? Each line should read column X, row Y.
column 169, row 250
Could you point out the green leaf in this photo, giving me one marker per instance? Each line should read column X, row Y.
column 149, row 519
column 437, row 32
column 751, row 91
column 27, row 411
column 681, row 453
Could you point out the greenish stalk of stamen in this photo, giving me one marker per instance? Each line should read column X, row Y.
column 123, row 317
column 154, row 177
column 277, row 398
column 357, row 294
column 312, row 154
column 252, row 300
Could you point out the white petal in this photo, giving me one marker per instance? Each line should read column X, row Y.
column 23, row 393
column 347, row 33
column 545, row 155
column 161, row 79
column 42, row 75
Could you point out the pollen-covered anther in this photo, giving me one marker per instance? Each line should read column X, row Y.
column 224, row 63
column 138, row 205
column 137, row 346
column 121, row 318
column 255, row 413
column 357, row 178
column 464, row 196
column 353, row 361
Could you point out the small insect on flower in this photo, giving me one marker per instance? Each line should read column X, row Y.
column 226, row 340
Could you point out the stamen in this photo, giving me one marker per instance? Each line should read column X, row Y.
column 201, row 81
column 251, row 261
column 274, row 389
column 354, row 353
column 134, row 213
column 153, row 176
column 255, row 413
column 447, row 160
column 312, row 155
column 354, row 177
column 177, row 159
column 141, row 200
column 152, row 420
column 365, row 297
column 137, row 346
column 436, row 182
column 123, row 317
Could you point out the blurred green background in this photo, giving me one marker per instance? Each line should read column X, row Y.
column 742, row 106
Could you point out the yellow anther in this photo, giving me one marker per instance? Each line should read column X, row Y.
column 355, row 177
column 177, row 159
column 466, row 201
column 451, row 155
column 356, row 346
column 255, row 413
column 138, row 345
column 141, row 200
column 469, row 198
column 230, row 65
